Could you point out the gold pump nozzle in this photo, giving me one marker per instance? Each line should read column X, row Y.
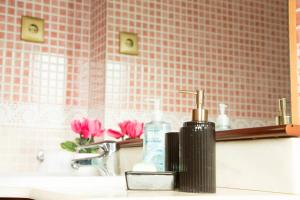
column 283, row 118
column 199, row 113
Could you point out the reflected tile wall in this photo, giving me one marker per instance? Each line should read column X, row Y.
column 236, row 50
column 216, row 45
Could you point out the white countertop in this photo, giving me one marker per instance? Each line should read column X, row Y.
column 92, row 188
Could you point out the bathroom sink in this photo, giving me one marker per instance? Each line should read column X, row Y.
column 58, row 163
column 92, row 188
column 48, row 188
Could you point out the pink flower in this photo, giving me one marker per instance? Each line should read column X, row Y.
column 95, row 128
column 133, row 129
column 76, row 126
column 87, row 128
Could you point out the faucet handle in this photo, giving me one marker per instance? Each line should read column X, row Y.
column 103, row 142
column 108, row 146
column 40, row 156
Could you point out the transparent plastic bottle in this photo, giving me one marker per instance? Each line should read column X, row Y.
column 154, row 139
column 223, row 121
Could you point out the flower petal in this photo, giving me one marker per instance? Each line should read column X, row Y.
column 99, row 133
column 76, row 126
column 123, row 126
column 85, row 132
column 131, row 130
column 95, row 128
column 115, row 134
column 140, row 129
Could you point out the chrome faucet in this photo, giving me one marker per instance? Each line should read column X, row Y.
column 107, row 160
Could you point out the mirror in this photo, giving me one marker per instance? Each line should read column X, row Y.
column 237, row 51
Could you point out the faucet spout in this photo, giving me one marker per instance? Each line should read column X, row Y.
column 106, row 153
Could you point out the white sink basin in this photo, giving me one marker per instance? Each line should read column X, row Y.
column 48, row 188
column 90, row 188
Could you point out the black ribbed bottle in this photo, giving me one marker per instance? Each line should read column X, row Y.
column 172, row 151
column 197, row 165
column 172, row 154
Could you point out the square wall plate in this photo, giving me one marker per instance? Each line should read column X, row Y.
column 128, row 43
column 32, row 29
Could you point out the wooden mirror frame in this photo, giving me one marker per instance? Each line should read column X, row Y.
column 295, row 127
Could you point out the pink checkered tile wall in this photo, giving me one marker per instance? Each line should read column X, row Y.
column 51, row 72
column 236, row 50
column 97, row 58
column 42, row 85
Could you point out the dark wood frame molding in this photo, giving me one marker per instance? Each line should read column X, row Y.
column 235, row 134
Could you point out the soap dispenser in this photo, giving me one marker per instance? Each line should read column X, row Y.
column 283, row 118
column 154, row 138
column 197, row 170
column 223, row 122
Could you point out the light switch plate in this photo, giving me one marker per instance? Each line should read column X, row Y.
column 32, row 29
column 128, row 43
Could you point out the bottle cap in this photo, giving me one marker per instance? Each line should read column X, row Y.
column 199, row 113
column 222, row 107
column 157, row 112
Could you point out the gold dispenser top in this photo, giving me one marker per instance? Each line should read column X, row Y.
column 283, row 118
column 199, row 113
